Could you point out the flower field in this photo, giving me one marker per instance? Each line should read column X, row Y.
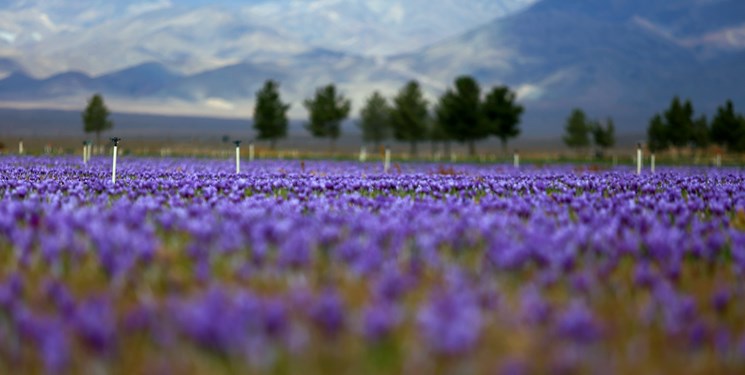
column 184, row 267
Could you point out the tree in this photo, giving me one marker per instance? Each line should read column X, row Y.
column 728, row 128
column 679, row 121
column 96, row 117
column 270, row 114
column 657, row 139
column 327, row 110
column 577, row 130
column 460, row 112
column 700, row 138
column 375, row 119
column 604, row 137
column 409, row 116
column 502, row 114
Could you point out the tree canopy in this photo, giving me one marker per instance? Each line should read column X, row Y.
column 459, row 111
column 502, row 114
column 327, row 109
column 410, row 116
column 375, row 118
column 96, row 117
column 270, row 113
column 576, row 130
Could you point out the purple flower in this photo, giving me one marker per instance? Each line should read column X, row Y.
column 95, row 323
column 533, row 308
column 578, row 324
column 379, row 320
column 327, row 312
column 450, row 322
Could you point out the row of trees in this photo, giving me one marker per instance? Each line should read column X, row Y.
column 580, row 131
column 677, row 127
column 462, row 114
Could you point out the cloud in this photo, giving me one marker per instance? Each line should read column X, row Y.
column 147, row 7
column 396, row 14
column 217, row 103
column 7, row 36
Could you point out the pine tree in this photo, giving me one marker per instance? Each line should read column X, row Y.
column 679, row 121
column 728, row 128
column 270, row 114
column 577, row 130
column 409, row 116
column 459, row 111
column 375, row 119
column 502, row 114
column 657, row 138
column 96, row 117
column 326, row 111
column 604, row 137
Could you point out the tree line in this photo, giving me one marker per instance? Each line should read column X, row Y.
column 678, row 127
column 462, row 114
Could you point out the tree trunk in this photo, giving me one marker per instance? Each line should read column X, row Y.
column 332, row 146
column 413, row 149
column 504, row 146
column 98, row 138
column 273, row 144
column 447, row 148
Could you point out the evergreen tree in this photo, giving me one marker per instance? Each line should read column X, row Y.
column 326, row 111
column 577, row 130
column 728, row 128
column 502, row 114
column 460, row 112
column 657, row 139
column 700, row 134
column 679, row 121
column 375, row 119
column 96, row 117
column 604, row 137
column 409, row 116
column 270, row 114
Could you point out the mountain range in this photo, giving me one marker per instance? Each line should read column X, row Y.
column 620, row 58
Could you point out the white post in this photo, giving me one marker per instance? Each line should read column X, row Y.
column 237, row 157
column 113, row 162
column 639, row 159
column 251, row 152
column 363, row 154
column 387, row 162
column 85, row 153
column 651, row 162
column 516, row 160
column 719, row 160
column 20, row 147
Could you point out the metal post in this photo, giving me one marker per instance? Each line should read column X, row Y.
column 639, row 158
column 237, row 156
column 114, row 140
